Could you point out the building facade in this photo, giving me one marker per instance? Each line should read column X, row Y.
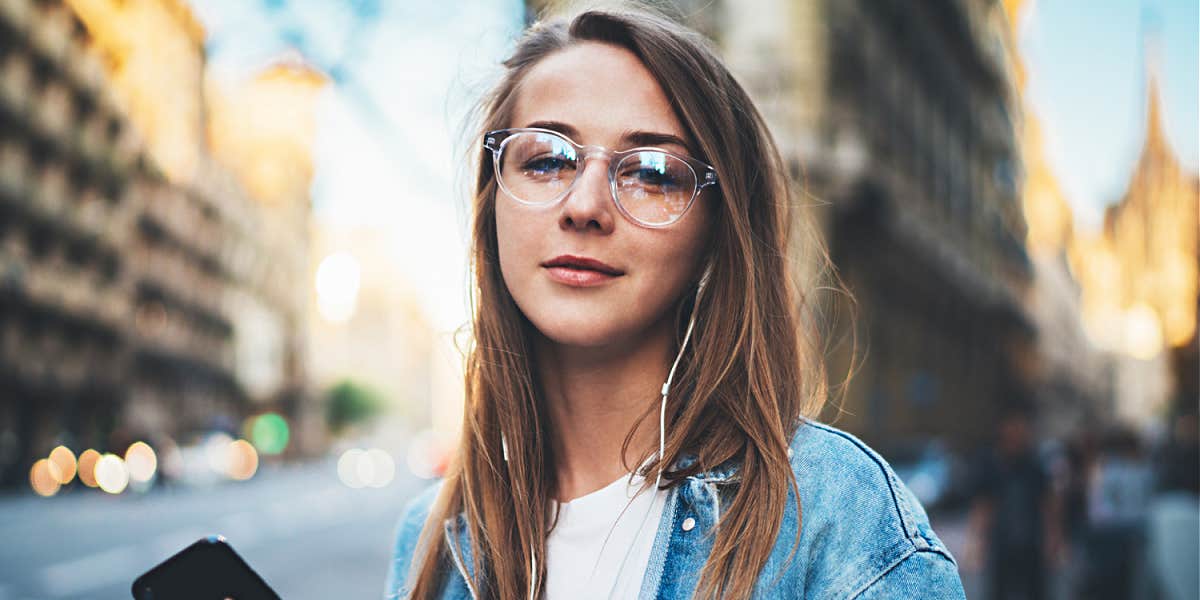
column 122, row 238
column 1073, row 378
column 901, row 122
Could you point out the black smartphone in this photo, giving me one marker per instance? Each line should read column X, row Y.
column 207, row 570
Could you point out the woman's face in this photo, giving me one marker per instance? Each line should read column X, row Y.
column 596, row 94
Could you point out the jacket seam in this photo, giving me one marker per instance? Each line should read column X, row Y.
column 901, row 557
column 889, row 568
column 905, row 525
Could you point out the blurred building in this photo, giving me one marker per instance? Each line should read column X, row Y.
column 1140, row 277
column 262, row 131
column 125, row 246
column 901, row 120
column 1073, row 378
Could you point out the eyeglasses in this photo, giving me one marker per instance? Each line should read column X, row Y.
column 650, row 186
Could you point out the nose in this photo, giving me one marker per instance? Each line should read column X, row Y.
column 589, row 204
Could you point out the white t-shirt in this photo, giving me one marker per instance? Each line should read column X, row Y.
column 573, row 548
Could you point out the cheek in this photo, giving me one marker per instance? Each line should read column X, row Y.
column 521, row 245
column 678, row 254
column 513, row 245
column 669, row 260
column 668, row 270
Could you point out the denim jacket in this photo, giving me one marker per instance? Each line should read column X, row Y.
column 864, row 535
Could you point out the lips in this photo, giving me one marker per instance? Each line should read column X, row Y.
column 582, row 263
column 580, row 271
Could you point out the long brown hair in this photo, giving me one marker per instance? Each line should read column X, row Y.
column 743, row 386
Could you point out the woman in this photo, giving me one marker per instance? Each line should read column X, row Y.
column 630, row 252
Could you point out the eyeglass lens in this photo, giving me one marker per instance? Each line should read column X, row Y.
column 652, row 187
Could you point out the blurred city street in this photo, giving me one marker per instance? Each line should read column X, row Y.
column 234, row 244
column 305, row 532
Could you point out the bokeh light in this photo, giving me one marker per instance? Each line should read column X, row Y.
column 243, row 460
column 359, row 468
column 53, row 470
column 141, row 461
column 269, row 432
column 348, row 467
column 364, row 469
column 216, row 451
column 111, row 474
column 63, row 462
column 42, row 479
column 87, row 467
column 383, row 467
column 1143, row 332
column 171, row 465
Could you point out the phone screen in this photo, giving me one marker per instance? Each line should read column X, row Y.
column 207, row 570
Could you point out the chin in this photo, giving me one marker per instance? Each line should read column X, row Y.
column 581, row 332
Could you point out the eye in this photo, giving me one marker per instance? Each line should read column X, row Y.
column 650, row 176
column 547, row 165
column 655, row 177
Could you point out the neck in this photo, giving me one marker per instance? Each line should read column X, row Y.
column 594, row 397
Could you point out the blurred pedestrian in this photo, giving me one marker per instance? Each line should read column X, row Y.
column 638, row 418
column 1119, row 489
column 1173, row 528
column 1080, row 455
column 1014, row 518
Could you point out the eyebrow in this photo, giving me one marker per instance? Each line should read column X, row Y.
column 635, row 137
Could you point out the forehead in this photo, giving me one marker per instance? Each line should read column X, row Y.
column 600, row 89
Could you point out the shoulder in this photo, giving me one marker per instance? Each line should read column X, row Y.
column 408, row 532
column 861, row 527
column 839, row 472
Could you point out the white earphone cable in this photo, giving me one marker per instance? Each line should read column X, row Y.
column 662, row 420
column 662, row 433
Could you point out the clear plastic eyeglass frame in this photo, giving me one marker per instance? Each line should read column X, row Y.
column 704, row 174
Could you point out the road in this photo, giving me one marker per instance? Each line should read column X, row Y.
column 305, row 532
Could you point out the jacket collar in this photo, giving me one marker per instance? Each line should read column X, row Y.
column 726, row 472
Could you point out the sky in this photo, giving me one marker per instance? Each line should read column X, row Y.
column 1086, row 64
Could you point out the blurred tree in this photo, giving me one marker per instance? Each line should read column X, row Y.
column 349, row 403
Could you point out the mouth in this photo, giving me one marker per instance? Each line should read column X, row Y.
column 580, row 272
column 582, row 263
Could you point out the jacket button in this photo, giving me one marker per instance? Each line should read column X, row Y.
column 688, row 524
